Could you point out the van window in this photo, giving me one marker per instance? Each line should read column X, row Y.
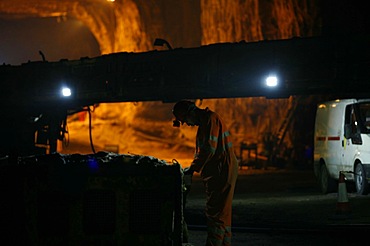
column 364, row 113
column 353, row 124
column 347, row 118
column 357, row 116
column 350, row 119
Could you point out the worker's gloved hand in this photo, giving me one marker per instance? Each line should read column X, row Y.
column 188, row 171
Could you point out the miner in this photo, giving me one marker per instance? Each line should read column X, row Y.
column 216, row 162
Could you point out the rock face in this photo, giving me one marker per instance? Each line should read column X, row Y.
column 132, row 25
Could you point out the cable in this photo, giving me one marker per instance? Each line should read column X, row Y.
column 65, row 134
column 90, row 134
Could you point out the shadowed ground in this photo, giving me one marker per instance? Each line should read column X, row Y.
column 282, row 207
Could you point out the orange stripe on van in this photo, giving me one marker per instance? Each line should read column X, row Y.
column 320, row 138
column 336, row 138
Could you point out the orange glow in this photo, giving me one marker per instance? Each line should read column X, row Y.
column 146, row 127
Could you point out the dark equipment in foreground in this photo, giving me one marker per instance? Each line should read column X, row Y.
column 100, row 199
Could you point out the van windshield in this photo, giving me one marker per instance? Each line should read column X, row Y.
column 364, row 113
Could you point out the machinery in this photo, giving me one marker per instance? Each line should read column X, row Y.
column 34, row 110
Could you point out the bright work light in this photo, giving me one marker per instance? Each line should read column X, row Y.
column 271, row 81
column 66, row 92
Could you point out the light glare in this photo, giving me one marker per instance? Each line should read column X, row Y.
column 271, row 81
column 66, row 92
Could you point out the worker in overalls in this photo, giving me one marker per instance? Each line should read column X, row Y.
column 216, row 162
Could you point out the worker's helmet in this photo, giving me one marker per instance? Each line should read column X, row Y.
column 181, row 110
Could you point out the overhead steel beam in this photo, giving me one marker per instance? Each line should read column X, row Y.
column 304, row 66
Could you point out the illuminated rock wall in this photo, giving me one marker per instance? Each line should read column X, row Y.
column 254, row 119
column 132, row 25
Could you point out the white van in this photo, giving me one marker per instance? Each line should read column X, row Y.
column 342, row 143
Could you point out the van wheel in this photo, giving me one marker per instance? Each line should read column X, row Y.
column 327, row 184
column 362, row 186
